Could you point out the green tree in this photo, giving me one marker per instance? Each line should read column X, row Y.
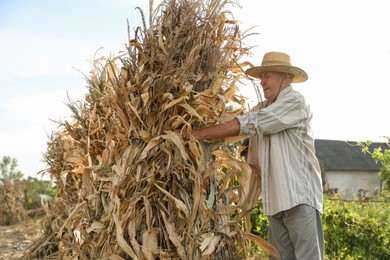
column 382, row 156
column 8, row 170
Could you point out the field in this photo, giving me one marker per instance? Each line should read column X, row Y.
column 14, row 239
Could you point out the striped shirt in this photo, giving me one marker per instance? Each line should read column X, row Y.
column 290, row 169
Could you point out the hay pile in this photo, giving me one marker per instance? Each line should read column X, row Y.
column 12, row 204
column 132, row 182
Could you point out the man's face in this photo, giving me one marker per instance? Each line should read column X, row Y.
column 272, row 84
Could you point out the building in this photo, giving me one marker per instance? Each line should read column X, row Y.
column 347, row 170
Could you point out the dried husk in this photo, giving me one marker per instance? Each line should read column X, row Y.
column 12, row 203
column 132, row 182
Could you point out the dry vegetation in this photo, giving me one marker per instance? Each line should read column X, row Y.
column 132, row 182
column 11, row 200
column 15, row 238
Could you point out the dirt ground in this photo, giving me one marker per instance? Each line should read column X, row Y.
column 14, row 239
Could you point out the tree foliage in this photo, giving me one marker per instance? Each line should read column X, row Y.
column 380, row 156
column 9, row 170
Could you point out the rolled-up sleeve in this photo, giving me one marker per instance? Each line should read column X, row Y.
column 247, row 125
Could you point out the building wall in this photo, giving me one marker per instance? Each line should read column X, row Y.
column 348, row 184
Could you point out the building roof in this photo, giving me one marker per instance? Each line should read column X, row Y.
column 346, row 156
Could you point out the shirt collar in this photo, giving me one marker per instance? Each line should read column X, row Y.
column 281, row 93
column 284, row 91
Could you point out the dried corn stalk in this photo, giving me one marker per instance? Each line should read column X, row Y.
column 11, row 200
column 132, row 182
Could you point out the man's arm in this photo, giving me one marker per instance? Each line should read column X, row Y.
column 220, row 131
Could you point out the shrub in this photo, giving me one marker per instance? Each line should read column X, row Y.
column 356, row 230
column 33, row 189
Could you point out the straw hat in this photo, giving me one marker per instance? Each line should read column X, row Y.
column 278, row 62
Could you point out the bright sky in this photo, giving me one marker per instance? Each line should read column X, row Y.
column 47, row 45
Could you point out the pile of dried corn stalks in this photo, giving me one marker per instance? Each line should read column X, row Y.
column 132, row 182
column 12, row 203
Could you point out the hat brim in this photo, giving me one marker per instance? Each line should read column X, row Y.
column 299, row 74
